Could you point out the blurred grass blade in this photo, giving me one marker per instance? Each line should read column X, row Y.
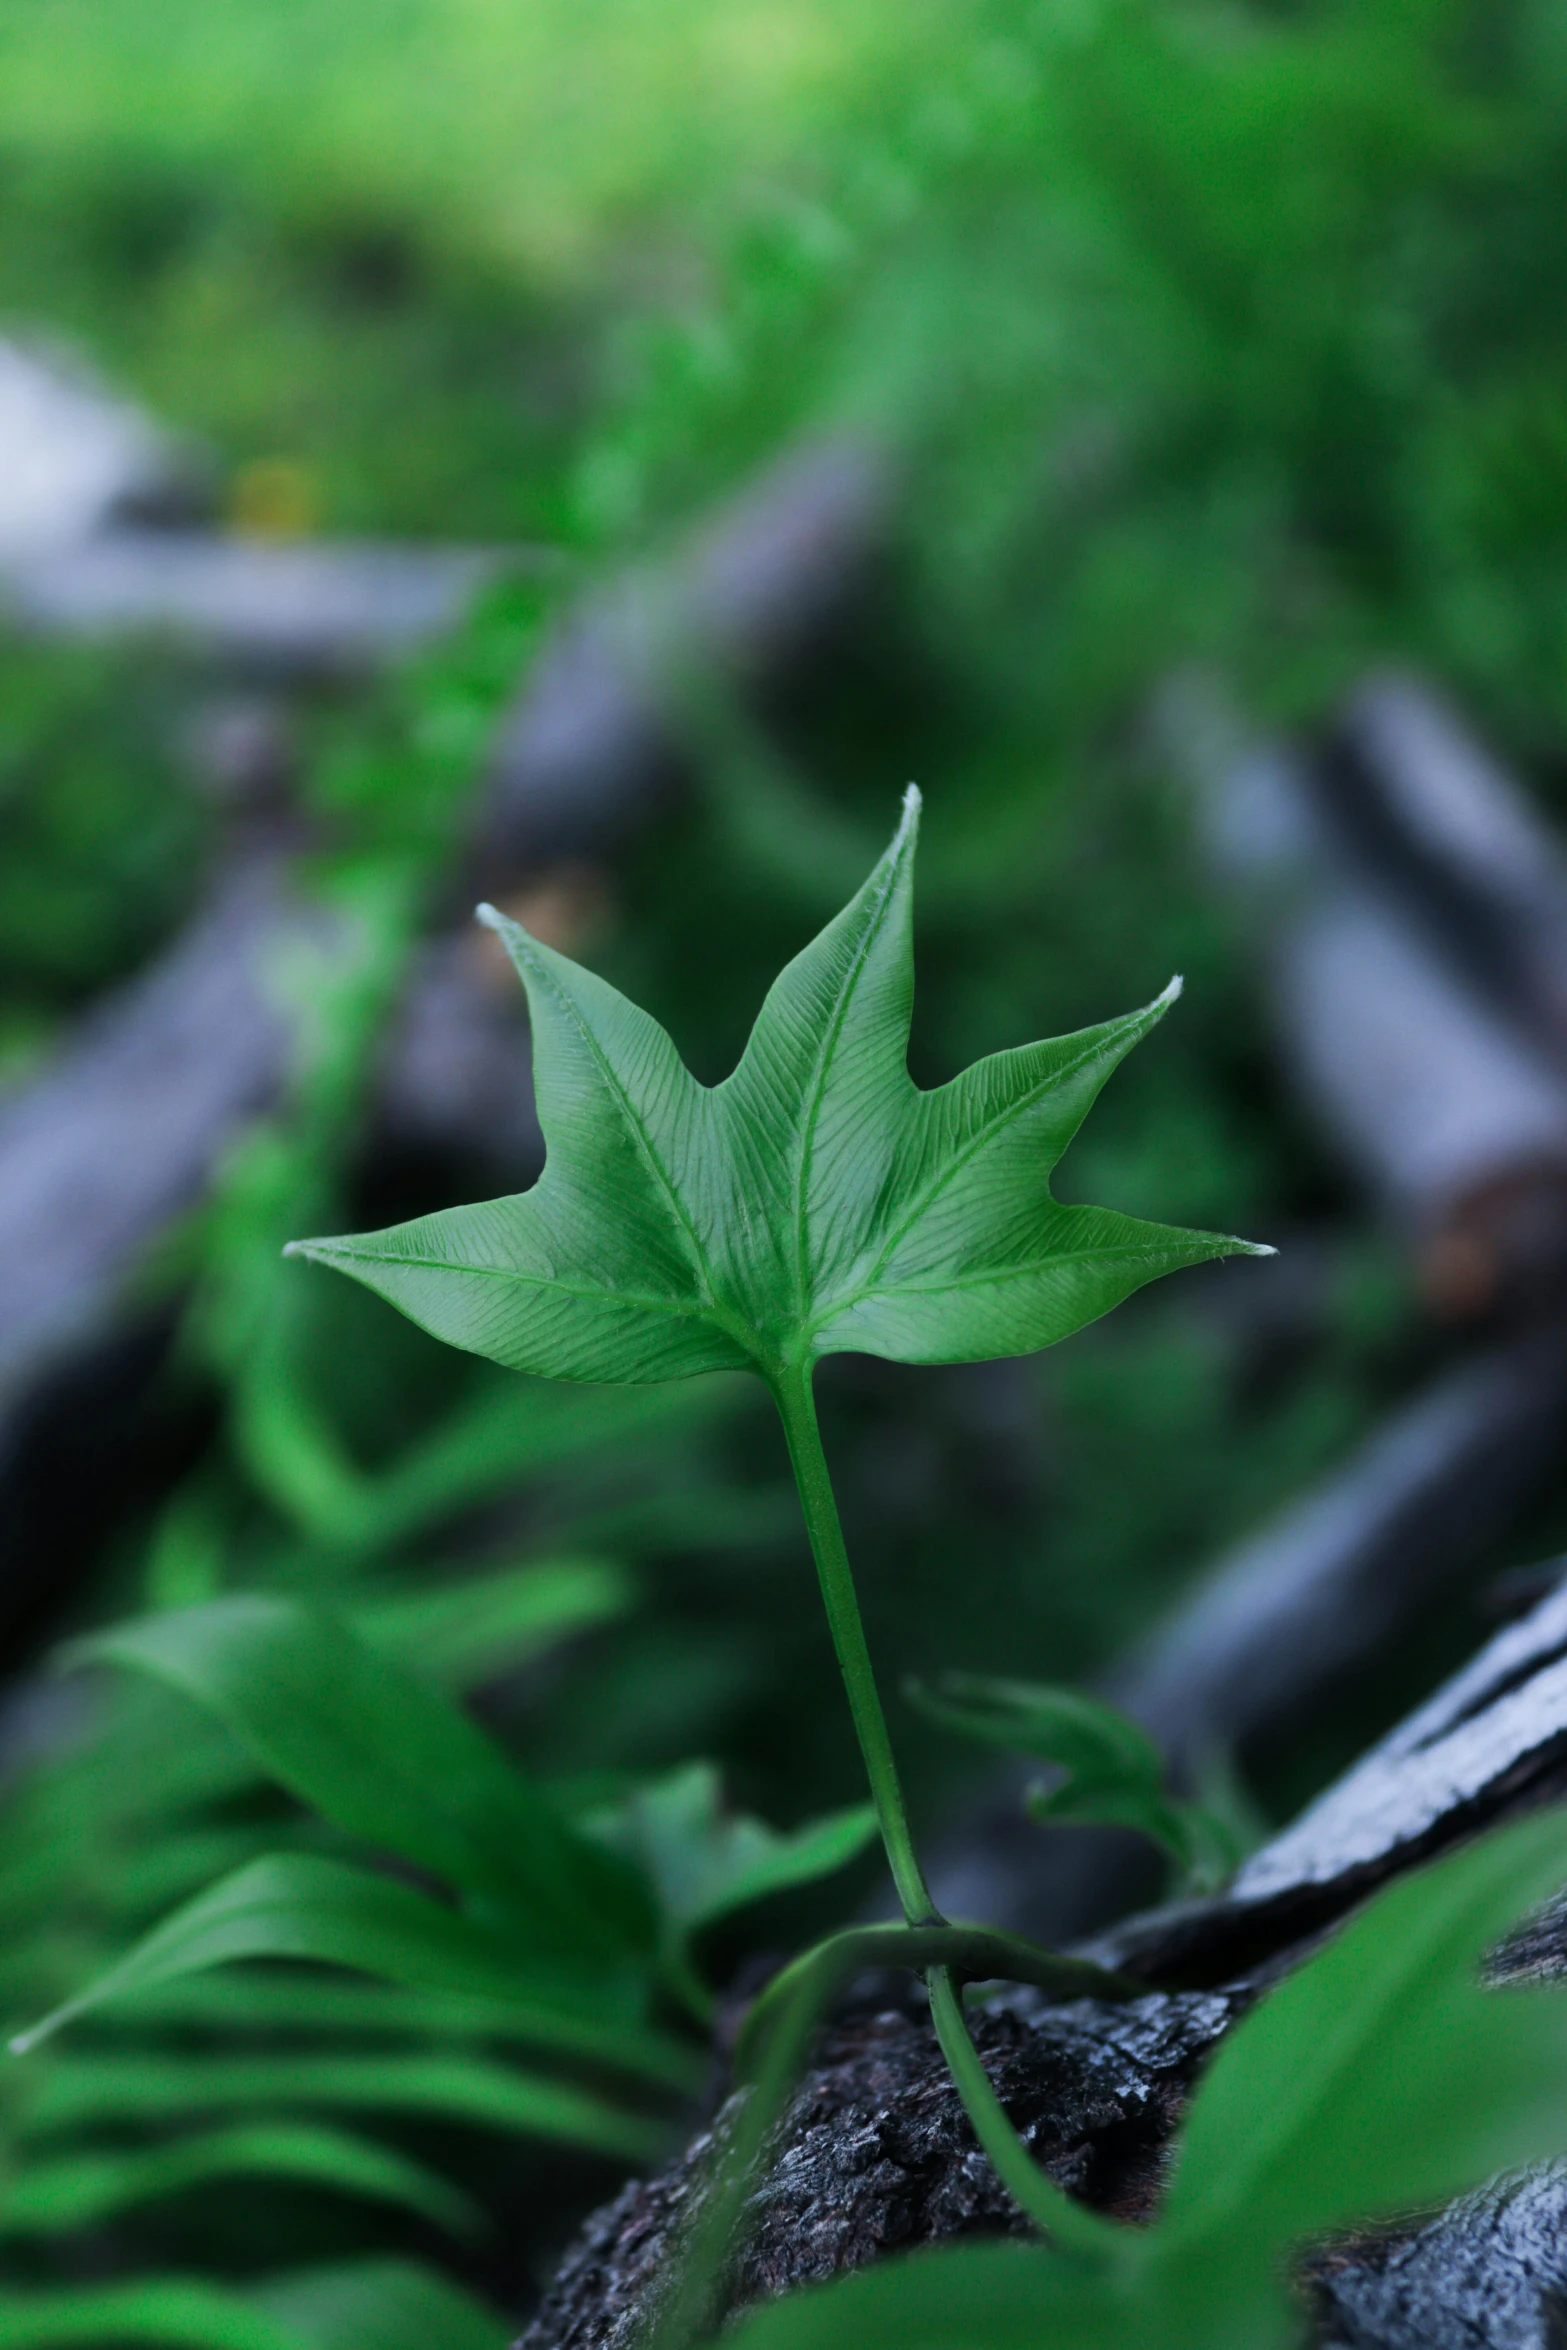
column 382, row 2305
column 100, row 2090
column 470, row 1631
column 390, row 1760
column 510, row 1433
column 706, row 1861
column 167, row 2313
column 336, row 2007
column 51, row 2196
column 301, row 1906
column 368, row 2305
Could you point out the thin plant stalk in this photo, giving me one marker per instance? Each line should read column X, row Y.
column 796, row 1404
column 1069, row 2226
column 1037, row 2196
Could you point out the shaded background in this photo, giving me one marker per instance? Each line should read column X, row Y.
column 593, row 459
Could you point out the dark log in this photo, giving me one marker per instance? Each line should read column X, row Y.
column 301, row 606
column 874, row 2155
column 120, row 1133
column 1438, row 1100
column 595, row 739
column 1275, row 1625
column 1430, row 801
column 1323, row 1586
column 106, row 528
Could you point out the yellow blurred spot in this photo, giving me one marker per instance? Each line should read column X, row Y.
column 273, row 498
column 567, row 907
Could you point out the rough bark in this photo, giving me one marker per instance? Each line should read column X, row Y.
column 876, row 2155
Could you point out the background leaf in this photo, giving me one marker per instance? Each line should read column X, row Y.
column 390, row 1761
column 390, row 2304
column 84, row 2189
column 706, row 1861
column 1114, row 1773
column 303, row 1906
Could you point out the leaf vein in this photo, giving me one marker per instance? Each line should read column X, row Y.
column 639, row 1135
column 824, row 1061
column 689, row 1311
column 955, row 1165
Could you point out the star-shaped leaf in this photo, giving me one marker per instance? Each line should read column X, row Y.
column 816, row 1202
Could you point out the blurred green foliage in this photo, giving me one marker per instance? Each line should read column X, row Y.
column 1216, row 332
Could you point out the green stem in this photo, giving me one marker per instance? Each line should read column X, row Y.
column 977, row 1954
column 792, row 1392
column 1072, row 2228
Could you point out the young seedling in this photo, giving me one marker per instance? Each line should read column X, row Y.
column 816, row 1202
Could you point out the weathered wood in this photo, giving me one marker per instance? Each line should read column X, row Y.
column 1322, row 1586
column 1428, row 799
column 1438, row 1100
column 595, row 737
column 1489, row 2273
column 302, row 605
column 119, row 1134
column 1492, row 1740
column 1276, row 1623
column 874, row 2154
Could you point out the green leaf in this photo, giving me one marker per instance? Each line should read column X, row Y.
column 382, row 2305
column 301, row 1906
column 490, row 1624
column 531, row 2015
column 52, row 2195
column 1091, row 1740
column 171, row 2313
column 814, row 1202
column 391, row 1761
column 973, row 2297
column 127, row 2087
column 390, row 2304
column 705, row 1861
column 1114, row 1773
column 1381, row 2077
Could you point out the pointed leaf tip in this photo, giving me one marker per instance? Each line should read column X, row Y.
column 490, row 916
